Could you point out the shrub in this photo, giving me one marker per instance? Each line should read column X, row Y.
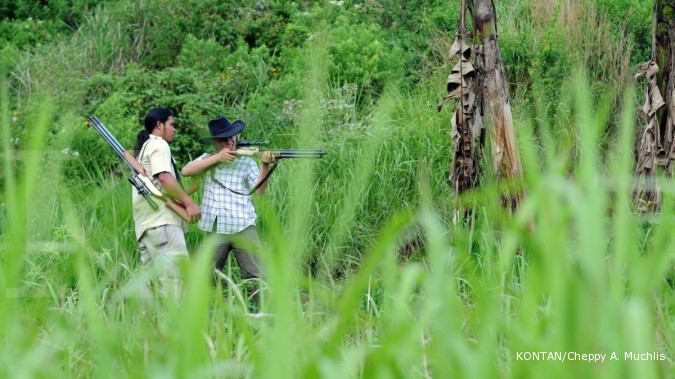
column 360, row 54
column 29, row 32
column 205, row 55
column 122, row 102
column 633, row 18
column 9, row 56
column 27, row 23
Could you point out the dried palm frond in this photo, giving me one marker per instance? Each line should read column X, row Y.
column 466, row 121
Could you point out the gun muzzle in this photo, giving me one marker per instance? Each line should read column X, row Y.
column 293, row 153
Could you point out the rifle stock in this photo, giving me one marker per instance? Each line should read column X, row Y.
column 145, row 181
column 177, row 208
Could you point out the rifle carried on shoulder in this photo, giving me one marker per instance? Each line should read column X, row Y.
column 138, row 178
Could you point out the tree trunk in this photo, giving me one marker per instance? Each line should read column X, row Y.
column 468, row 134
column 494, row 94
column 656, row 142
column 483, row 96
column 663, row 54
column 646, row 192
column 467, row 126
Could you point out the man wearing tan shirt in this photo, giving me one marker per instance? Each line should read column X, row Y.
column 160, row 233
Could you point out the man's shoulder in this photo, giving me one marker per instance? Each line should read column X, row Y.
column 157, row 144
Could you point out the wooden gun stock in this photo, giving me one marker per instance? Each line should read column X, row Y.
column 177, row 208
column 146, row 187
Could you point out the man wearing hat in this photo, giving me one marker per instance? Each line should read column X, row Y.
column 226, row 206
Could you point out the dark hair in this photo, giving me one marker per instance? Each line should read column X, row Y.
column 150, row 122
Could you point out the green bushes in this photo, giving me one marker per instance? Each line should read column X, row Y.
column 122, row 102
column 542, row 42
column 158, row 28
column 26, row 23
column 68, row 13
column 360, row 54
column 632, row 18
column 28, row 32
column 552, row 64
column 9, row 55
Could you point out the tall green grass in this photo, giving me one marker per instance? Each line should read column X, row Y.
column 574, row 271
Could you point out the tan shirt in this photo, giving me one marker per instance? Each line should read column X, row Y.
column 155, row 157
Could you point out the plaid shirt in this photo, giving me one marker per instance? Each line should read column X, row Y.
column 231, row 212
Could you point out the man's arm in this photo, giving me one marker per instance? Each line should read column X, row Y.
column 266, row 159
column 199, row 165
column 264, row 169
column 174, row 190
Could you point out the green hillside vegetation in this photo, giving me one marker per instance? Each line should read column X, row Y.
column 368, row 274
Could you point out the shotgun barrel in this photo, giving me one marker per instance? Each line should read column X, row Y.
column 291, row 153
column 112, row 141
column 282, row 153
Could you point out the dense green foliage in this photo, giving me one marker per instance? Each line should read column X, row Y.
column 369, row 277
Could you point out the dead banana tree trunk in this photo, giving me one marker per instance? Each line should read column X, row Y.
column 467, row 126
column 466, row 121
column 494, row 96
column 482, row 92
column 656, row 144
column 647, row 196
column 663, row 53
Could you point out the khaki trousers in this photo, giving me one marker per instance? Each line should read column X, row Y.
column 162, row 248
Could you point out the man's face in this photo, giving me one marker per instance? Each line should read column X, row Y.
column 167, row 129
column 227, row 143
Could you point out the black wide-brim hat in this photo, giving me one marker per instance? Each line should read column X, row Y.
column 223, row 128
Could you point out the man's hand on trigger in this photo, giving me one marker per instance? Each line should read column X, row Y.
column 225, row 156
column 268, row 158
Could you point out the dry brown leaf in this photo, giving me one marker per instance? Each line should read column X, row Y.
column 655, row 100
column 457, row 45
column 466, row 122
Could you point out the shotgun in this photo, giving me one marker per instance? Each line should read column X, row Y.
column 138, row 178
column 254, row 148
column 280, row 153
column 245, row 147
